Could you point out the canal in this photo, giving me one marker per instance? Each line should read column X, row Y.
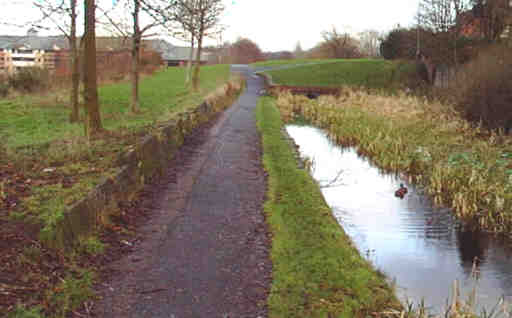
column 420, row 247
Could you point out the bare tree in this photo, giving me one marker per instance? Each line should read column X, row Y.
column 136, row 40
column 58, row 13
column 245, row 51
column 298, row 52
column 444, row 20
column 494, row 16
column 336, row 45
column 75, row 73
column 93, row 119
column 203, row 21
column 369, row 42
column 184, row 14
column 155, row 15
column 156, row 11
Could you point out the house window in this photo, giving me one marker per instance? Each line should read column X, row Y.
column 29, row 59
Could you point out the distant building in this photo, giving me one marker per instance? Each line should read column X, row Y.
column 30, row 51
column 174, row 55
column 52, row 52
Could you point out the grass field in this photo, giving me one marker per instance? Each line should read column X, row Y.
column 316, row 270
column 375, row 74
column 32, row 120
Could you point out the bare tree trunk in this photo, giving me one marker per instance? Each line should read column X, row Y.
column 135, row 57
column 195, row 77
column 93, row 119
column 190, row 58
column 75, row 74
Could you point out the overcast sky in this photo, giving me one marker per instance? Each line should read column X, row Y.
column 278, row 24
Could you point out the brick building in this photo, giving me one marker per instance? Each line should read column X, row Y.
column 30, row 51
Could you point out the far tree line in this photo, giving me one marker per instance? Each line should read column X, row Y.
column 333, row 44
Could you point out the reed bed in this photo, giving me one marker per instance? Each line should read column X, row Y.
column 462, row 166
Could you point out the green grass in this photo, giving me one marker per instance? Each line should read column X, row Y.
column 292, row 62
column 33, row 120
column 316, row 270
column 374, row 74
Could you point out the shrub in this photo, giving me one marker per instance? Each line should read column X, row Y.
column 29, row 79
column 399, row 43
column 483, row 89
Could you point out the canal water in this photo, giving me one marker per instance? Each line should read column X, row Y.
column 420, row 247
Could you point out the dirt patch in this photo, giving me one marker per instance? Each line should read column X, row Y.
column 30, row 271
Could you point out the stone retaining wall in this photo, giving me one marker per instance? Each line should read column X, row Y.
column 147, row 160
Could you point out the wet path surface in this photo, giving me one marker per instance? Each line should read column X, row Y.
column 422, row 246
column 204, row 252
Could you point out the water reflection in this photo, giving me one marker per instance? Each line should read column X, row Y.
column 419, row 245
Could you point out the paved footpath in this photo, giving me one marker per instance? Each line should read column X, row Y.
column 205, row 250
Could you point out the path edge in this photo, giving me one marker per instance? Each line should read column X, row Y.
column 146, row 161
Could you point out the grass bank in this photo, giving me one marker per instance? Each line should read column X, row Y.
column 316, row 270
column 466, row 168
column 37, row 119
column 373, row 74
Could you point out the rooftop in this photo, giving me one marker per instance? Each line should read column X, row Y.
column 33, row 42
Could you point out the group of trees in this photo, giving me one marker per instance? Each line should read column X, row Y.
column 448, row 33
column 337, row 44
column 192, row 20
column 334, row 44
column 448, row 29
column 242, row 51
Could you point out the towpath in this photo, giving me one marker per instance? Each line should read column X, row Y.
column 204, row 251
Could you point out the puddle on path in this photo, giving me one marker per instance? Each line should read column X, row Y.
column 418, row 245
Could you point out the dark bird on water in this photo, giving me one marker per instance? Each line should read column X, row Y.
column 401, row 192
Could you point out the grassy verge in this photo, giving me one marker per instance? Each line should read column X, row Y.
column 316, row 270
column 467, row 168
column 374, row 74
